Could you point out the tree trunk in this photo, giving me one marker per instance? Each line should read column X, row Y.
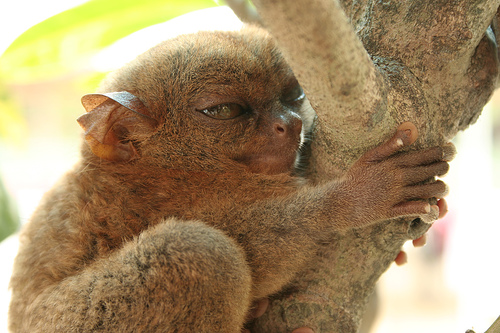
column 367, row 66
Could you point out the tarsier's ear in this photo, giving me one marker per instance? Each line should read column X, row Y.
column 110, row 120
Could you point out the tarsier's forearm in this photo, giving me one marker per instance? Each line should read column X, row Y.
column 381, row 185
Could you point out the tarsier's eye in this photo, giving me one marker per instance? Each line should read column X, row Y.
column 293, row 94
column 224, row 111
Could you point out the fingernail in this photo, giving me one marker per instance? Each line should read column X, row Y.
column 428, row 208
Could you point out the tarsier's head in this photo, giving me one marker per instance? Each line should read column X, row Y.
column 199, row 102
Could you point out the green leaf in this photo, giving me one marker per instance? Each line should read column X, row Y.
column 65, row 41
column 9, row 221
column 12, row 124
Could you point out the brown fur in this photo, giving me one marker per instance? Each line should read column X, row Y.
column 173, row 221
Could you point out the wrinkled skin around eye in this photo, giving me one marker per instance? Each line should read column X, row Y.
column 224, row 111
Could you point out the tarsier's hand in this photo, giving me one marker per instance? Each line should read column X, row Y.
column 383, row 184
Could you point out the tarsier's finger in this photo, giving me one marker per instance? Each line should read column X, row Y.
column 443, row 207
column 422, row 240
column 432, row 216
column 437, row 189
column 401, row 258
column 407, row 132
column 422, row 173
column 405, row 135
column 428, row 156
column 420, row 209
column 260, row 308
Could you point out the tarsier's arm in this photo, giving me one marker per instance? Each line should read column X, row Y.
column 381, row 185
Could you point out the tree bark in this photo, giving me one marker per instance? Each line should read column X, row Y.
column 367, row 66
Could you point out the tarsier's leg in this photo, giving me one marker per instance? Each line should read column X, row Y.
column 175, row 277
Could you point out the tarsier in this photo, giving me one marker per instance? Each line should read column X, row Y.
column 188, row 203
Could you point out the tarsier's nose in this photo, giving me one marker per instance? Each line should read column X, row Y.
column 289, row 124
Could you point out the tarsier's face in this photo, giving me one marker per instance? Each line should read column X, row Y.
column 222, row 95
column 267, row 131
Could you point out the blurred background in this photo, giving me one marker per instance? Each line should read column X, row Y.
column 50, row 57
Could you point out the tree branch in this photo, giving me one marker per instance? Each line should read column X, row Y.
column 245, row 12
column 431, row 63
column 342, row 73
column 495, row 327
column 443, row 49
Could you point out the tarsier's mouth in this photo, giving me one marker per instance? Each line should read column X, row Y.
column 270, row 163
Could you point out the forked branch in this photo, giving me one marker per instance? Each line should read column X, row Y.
column 341, row 74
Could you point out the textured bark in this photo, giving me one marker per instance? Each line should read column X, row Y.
column 368, row 66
